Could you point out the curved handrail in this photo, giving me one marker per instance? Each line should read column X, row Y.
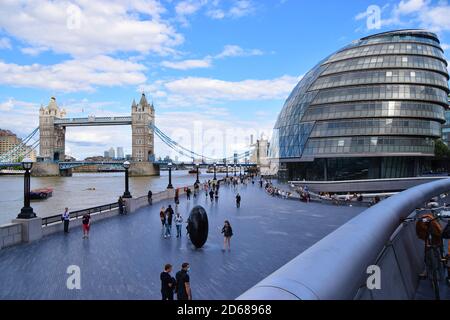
column 335, row 267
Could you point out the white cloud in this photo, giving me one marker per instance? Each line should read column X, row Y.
column 194, row 91
column 423, row 13
column 217, row 14
column 236, row 51
column 22, row 116
column 411, row 6
column 189, row 7
column 188, row 64
column 5, row 43
column 436, row 18
column 214, row 89
column 88, row 28
column 33, row 51
column 241, row 8
column 238, row 9
column 206, row 62
column 73, row 75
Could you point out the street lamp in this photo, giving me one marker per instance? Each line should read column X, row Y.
column 226, row 166
column 240, row 173
column 215, row 167
column 234, row 170
column 27, row 211
column 126, row 194
column 197, row 165
column 170, row 186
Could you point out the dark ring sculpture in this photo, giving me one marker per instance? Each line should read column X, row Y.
column 198, row 226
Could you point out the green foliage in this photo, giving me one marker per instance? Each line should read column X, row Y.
column 441, row 150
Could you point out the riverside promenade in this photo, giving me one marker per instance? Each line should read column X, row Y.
column 125, row 254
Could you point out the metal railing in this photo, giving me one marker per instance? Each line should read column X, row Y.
column 335, row 267
column 80, row 213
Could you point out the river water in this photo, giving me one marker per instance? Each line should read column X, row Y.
column 74, row 192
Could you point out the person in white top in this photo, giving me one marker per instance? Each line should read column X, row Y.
column 66, row 219
column 178, row 223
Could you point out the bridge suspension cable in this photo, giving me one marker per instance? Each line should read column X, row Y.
column 189, row 153
column 22, row 149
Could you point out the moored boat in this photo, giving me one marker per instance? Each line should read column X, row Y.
column 41, row 194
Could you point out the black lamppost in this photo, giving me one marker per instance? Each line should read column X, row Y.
column 197, row 165
column 215, row 168
column 126, row 194
column 170, row 186
column 226, row 166
column 234, row 170
column 27, row 211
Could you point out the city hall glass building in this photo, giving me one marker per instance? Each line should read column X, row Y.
column 371, row 110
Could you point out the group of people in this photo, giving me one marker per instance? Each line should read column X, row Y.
column 85, row 222
column 167, row 216
column 181, row 283
column 274, row 191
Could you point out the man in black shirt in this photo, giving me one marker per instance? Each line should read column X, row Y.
column 167, row 283
column 183, row 285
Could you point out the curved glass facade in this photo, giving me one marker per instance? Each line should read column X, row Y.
column 380, row 97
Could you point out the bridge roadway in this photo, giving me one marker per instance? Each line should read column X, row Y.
column 93, row 121
column 125, row 255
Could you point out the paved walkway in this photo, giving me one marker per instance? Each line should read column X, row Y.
column 125, row 255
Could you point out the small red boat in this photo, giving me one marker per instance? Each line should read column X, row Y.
column 41, row 194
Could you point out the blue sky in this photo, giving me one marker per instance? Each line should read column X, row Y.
column 220, row 68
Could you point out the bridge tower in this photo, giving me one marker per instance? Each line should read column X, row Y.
column 142, row 115
column 52, row 138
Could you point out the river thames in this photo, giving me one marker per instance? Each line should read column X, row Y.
column 82, row 190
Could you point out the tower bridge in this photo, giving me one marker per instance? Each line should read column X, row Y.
column 50, row 137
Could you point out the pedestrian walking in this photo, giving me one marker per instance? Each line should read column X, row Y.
column 183, row 283
column 227, row 234
column 178, row 224
column 177, row 197
column 168, row 283
column 86, row 225
column 150, row 197
column 66, row 219
column 162, row 216
column 238, row 200
column 188, row 193
column 169, row 217
column 211, row 195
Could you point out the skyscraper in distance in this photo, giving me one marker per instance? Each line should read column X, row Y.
column 120, row 154
column 112, row 153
